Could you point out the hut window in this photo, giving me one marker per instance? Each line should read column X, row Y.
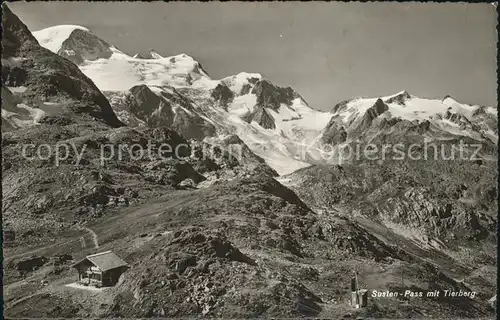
column 96, row 276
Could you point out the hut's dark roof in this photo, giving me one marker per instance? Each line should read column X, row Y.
column 104, row 260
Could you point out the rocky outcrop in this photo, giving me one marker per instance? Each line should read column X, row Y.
column 83, row 45
column 334, row 133
column 419, row 210
column 223, row 95
column 460, row 120
column 31, row 264
column 340, row 106
column 203, row 272
column 170, row 172
column 347, row 237
column 16, row 36
column 262, row 117
column 399, row 98
column 246, row 157
column 149, row 107
column 171, row 109
column 271, row 96
column 369, row 116
column 192, row 126
column 226, row 159
column 94, row 189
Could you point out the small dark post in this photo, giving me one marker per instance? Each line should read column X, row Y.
column 402, row 281
column 354, row 291
column 353, row 284
column 356, row 277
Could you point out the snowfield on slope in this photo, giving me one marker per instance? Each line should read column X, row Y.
column 121, row 72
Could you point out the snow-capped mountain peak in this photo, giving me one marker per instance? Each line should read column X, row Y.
column 75, row 43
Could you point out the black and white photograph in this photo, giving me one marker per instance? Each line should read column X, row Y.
column 242, row 160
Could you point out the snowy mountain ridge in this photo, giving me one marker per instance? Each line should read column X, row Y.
column 436, row 119
column 268, row 118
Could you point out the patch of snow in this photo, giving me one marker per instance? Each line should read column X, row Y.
column 284, row 113
column 242, row 105
column 70, row 52
column 235, row 83
column 26, row 117
column 8, row 114
column 19, row 89
column 492, row 110
column 49, row 103
column 35, row 113
column 155, row 55
column 205, row 83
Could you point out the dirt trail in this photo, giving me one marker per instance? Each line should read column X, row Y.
column 15, row 302
column 95, row 239
column 76, row 239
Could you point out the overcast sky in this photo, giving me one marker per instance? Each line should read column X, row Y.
column 328, row 52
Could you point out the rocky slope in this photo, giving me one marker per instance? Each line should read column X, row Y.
column 445, row 211
column 140, row 105
column 47, row 83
